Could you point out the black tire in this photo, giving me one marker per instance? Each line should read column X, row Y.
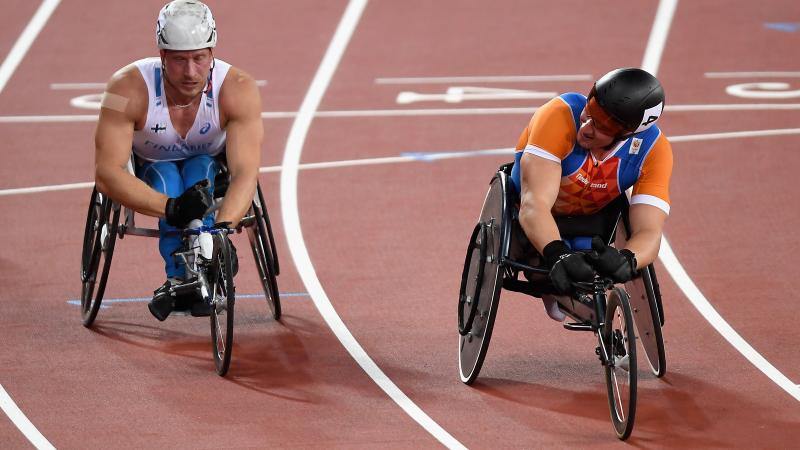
column 263, row 246
column 268, row 229
column 619, row 341
column 222, row 309
column 482, row 275
column 651, row 269
column 471, row 279
column 648, row 322
column 99, row 238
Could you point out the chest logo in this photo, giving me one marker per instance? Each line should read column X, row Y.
column 159, row 128
column 636, row 145
column 205, row 128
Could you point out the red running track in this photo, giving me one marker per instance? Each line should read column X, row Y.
column 387, row 240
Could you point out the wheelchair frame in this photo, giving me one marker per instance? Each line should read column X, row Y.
column 499, row 251
column 103, row 227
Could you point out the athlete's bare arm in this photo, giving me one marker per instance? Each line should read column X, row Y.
column 541, row 180
column 647, row 224
column 240, row 115
column 124, row 109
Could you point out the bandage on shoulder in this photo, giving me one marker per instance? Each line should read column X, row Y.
column 114, row 102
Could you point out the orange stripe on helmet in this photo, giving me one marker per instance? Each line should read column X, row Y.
column 602, row 121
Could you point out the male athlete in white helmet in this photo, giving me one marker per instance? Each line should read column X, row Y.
column 176, row 113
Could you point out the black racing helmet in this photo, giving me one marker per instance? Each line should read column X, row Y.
column 632, row 97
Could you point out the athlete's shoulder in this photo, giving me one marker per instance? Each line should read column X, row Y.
column 239, row 94
column 573, row 99
column 127, row 86
column 569, row 103
column 659, row 155
column 239, row 78
column 127, row 77
column 661, row 143
column 563, row 105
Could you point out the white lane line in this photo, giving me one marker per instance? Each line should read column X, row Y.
column 294, row 234
column 21, row 421
column 50, row 188
column 483, row 79
column 89, row 86
column 417, row 157
column 64, row 118
column 735, row 135
column 701, row 303
column 25, row 40
column 658, row 35
column 653, row 53
column 7, row 69
column 67, row 118
column 734, row 107
column 752, row 74
column 115, row 301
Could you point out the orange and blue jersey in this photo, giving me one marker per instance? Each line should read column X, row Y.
column 642, row 161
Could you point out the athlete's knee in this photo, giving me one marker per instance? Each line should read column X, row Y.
column 197, row 168
column 162, row 176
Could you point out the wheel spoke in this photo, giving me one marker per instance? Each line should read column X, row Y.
column 621, row 362
column 222, row 304
column 618, row 409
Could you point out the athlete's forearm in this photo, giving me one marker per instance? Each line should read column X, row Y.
column 126, row 189
column 647, row 225
column 539, row 225
column 238, row 197
column 645, row 245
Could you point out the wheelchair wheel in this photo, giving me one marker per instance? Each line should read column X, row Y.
column 99, row 238
column 648, row 321
column 263, row 245
column 651, row 269
column 224, row 299
column 619, row 340
column 481, row 281
column 471, row 282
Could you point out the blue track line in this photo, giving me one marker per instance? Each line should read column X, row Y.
column 77, row 302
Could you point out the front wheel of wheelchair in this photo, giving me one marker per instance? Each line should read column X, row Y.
column 619, row 341
column 481, row 281
column 263, row 245
column 224, row 298
column 99, row 237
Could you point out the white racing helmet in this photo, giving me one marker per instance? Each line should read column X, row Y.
column 185, row 25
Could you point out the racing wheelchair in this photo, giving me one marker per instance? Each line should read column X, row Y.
column 499, row 253
column 207, row 254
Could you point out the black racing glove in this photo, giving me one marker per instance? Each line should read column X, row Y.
column 566, row 266
column 619, row 265
column 192, row 204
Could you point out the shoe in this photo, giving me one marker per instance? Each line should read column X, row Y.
column 163, row 303
column 200, row 308
column 191, row 304
column 551, row 308
column 184, row 302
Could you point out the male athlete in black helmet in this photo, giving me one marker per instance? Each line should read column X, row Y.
column 576, row 156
